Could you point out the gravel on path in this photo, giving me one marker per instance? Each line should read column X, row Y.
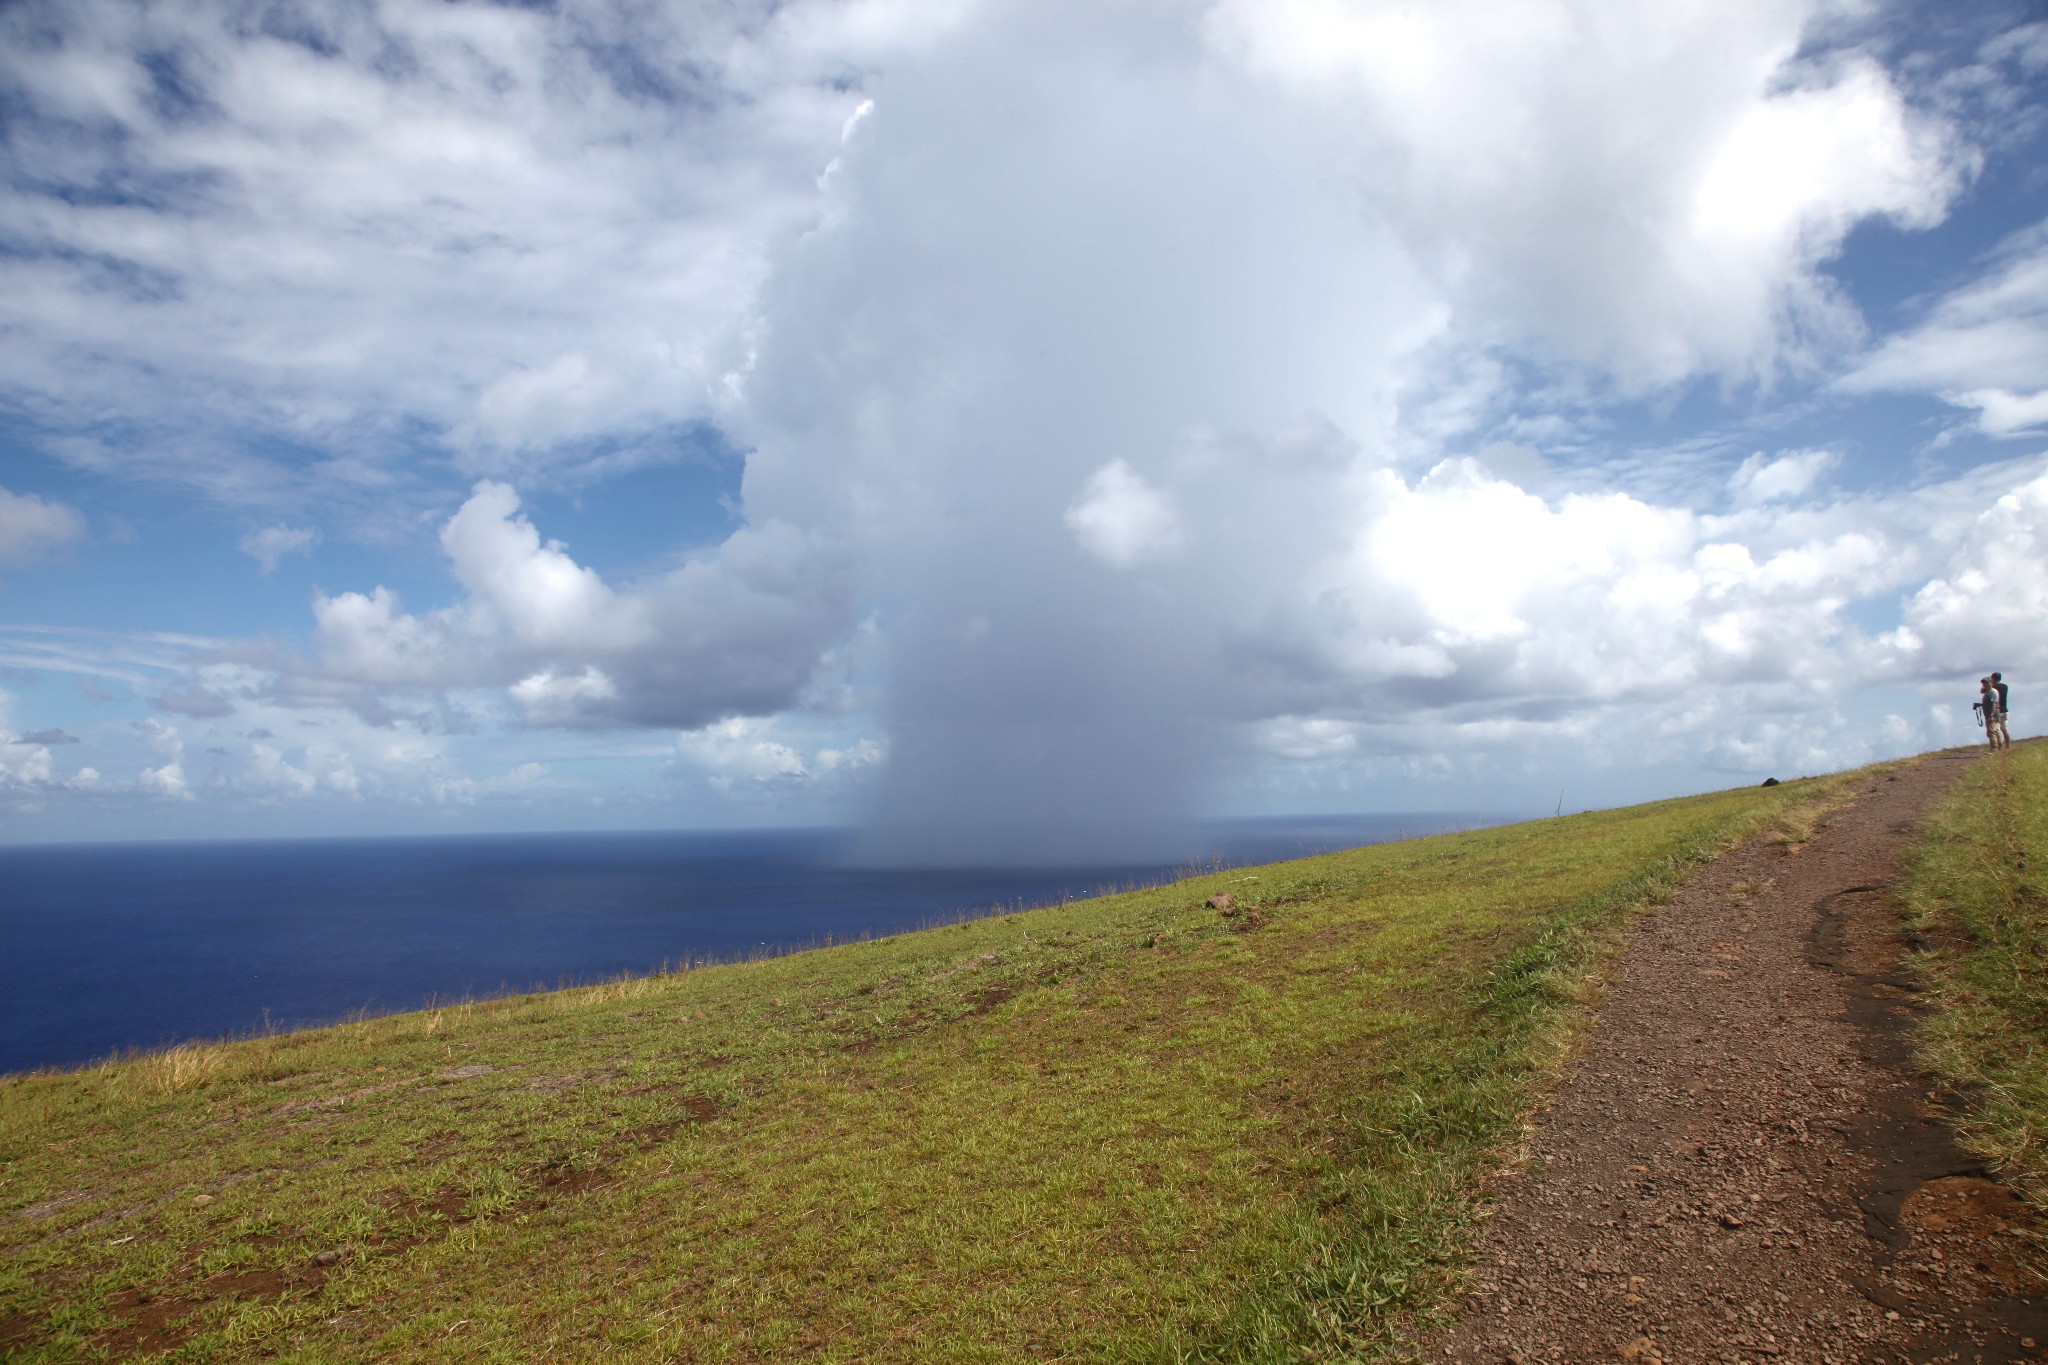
column 1741, row 1165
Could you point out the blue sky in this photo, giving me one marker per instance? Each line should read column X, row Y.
column 1013, row 426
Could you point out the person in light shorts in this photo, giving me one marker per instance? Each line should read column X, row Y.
column 1989, row 714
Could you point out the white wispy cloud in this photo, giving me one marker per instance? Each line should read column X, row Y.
column 269, row 545
column 520, row 235
column 1771, row 478
column 1983, row 345
column 134, row 660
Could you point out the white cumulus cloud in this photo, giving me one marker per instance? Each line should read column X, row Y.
column 1122, row 519
column 1678, row 236
column 739, row 631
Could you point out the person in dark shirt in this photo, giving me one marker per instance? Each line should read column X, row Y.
column 1990, row 713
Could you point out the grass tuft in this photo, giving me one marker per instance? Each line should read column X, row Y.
column 175, row 1070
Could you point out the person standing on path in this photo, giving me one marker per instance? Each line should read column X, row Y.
column 1988, row 715
column 2004, row 711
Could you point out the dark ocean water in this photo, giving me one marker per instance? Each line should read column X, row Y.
column 113, row 946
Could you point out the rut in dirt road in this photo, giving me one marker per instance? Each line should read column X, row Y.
column 1741, row 1165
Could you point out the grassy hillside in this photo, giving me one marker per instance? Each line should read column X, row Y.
column 1135, row 1128
column 1977, row 893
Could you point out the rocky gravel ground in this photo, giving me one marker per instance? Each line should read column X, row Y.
column 1741, row 1164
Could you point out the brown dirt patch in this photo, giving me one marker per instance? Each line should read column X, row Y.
column 16, row 1328
column 1969, row 1223
column 149, row 1324
column 155, row 1319
column 158, row 1317
column 983, row 1001
column 1741, row 1165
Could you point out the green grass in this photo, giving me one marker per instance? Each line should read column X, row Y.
column 1977, row 894
column 1128, row 1129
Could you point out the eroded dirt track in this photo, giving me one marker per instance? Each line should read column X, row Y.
column 1741, row 1165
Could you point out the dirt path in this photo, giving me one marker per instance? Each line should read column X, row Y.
column 1740, row 1166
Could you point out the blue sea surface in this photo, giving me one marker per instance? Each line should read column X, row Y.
column 109, row 947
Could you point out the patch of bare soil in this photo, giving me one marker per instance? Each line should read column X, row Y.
column 163, row 1315
column 1742, row 1165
